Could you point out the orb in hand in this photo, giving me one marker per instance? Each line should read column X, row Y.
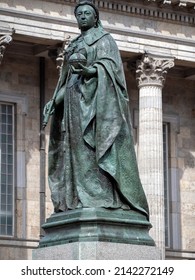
column 77, row 58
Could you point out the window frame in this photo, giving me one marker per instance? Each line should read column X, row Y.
column 13, row 171
column 173, row 122
column 167, row 197
column 20, row 103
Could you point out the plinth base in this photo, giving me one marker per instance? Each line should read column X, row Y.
column 96, row 224
column 97, row 251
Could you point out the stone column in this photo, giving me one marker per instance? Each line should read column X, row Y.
column 150, row 74
column 4, row 41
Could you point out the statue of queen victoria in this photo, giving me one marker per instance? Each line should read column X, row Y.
column 92, row 161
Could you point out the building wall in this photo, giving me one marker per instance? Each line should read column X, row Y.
column 20, row 84
column 179, row 100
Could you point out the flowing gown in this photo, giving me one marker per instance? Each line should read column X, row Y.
column 92, row 161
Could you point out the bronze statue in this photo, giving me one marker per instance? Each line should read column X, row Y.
column 92, row 162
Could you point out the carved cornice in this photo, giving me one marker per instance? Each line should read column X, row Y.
column 152, row 70
column 4, row 41
column 181, row 11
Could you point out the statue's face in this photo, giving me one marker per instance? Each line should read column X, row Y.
column 86, row 17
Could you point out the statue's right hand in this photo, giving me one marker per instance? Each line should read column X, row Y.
column 47, row 109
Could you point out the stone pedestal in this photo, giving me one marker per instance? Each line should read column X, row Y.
column 96, row 233
column 96, row 250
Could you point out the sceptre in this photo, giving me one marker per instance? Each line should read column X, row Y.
column 50, row 109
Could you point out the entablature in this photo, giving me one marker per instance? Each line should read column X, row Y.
column 171, row 10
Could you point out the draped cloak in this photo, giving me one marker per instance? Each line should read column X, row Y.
column 92, row 161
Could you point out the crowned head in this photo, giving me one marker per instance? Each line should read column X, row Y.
column 90, row 3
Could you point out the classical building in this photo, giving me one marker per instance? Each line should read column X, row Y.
column 156, row 39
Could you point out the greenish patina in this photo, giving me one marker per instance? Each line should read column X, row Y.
column 96, row 225
column 92, row 162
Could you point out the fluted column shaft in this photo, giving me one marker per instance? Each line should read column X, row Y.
column 151, row 72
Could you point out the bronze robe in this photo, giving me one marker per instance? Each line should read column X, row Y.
column 92, row 161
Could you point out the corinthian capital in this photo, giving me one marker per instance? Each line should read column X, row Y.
column 152, row 70
column 4, row 41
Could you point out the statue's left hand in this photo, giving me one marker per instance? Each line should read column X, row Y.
column 84, row 71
